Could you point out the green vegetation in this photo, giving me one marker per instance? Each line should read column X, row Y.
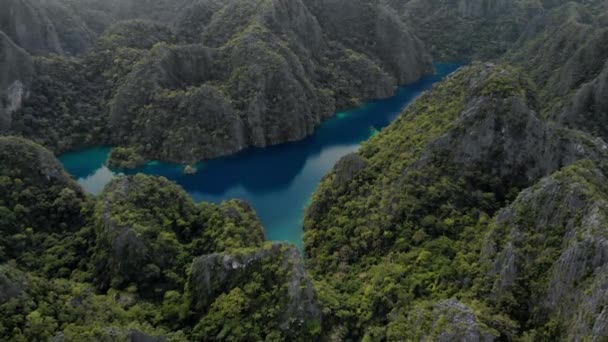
column 41, row 207
column 131, row 263
column 246, row 73
column 125, row 158
column 401, row 230
column 479, row 214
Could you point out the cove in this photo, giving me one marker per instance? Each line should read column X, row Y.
column 278, row 181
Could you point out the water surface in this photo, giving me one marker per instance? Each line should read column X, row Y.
column 277, row 181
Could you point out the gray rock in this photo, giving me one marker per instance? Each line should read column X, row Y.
column 254, row 73
column 348, row 168
column 454, row 321
column 12, row 283
column 138, row 336
column 558, row 226
column 47, row 27
column 505, row 136
column 29, row 26
column 219, row 273
column 588, row 109
column 16, row 71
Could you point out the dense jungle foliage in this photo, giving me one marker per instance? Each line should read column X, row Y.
column 480, row 214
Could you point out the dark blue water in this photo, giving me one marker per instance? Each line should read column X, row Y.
column 277, row 181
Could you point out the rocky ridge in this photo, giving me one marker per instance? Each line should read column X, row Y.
column 100, row 267
column 16, row 73
column 427, row 198
column 265, row 72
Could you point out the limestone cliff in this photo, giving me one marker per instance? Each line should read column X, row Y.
column 223, row 76
column 216, row 274
column 16, row 72
column 398, row 226
column 547, row 254
column 143, row 222
column 46, row 27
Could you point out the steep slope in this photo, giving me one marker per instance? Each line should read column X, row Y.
column 29, row 26
column 234, row 74
column 395, row 225
column 40, row 204
column 16, row 73
column 272, row 276
column 468, row 29
column 46, row 27
column 567, row 57
column 141, row 262
column 263, row 76
column 546, row 256
column 148, row 229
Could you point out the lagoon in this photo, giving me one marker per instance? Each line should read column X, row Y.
column 278, row 181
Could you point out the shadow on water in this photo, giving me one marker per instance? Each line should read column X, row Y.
column 278, row 180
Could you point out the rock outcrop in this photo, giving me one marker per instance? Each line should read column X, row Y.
column 565, row 52
column 215, row 274
column 12, row 283
column 261, row 79
column 240, row 74
column 39, row 192
column 454, row 321
column 478, row 29
column 588, row 108
column 486, row 126
column 29, row 26
column 46, row 27
column 143, row 222
column 548, row 254
column 16, row 73
column 406, row 211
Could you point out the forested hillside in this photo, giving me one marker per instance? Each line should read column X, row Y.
column 265, row 72
column 140, row 260
column 432, row 215
column 479, row 214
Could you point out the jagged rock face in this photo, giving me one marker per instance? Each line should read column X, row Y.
column 347, row 168
column 482, row 8
column 136, row 250
column 511, row 141
column 575, row 37
column 277, row 93
column 588, row 110
column 138, row 336
column 375, row 31
column 483, row 29
column 558, row 225
column 16, row 72
column 46, row 27
column 239, row 73
column 147, row 227
column 174, row 78
column 502, row 134
column 457, row 154
column 463, row 8
column 29, row 27
column 454, row 321
column 485, row 130
column 12, row 283
column 215, row 274
column 565, row 52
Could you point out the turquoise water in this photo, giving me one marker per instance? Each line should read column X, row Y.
column 277, row 181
